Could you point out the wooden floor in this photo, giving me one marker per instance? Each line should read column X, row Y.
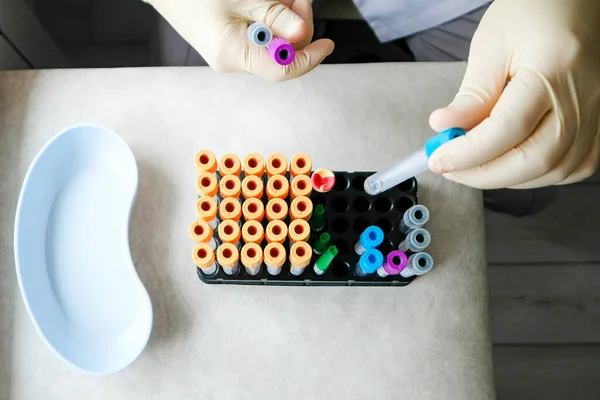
column 544, row 276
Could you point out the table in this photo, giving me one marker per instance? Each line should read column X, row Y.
column 429, row 340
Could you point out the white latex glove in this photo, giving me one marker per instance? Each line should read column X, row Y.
column 217, row 30
column 543, row 128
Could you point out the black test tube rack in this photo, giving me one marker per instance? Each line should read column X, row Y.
column 349, row 210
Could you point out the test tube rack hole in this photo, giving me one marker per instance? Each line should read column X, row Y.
column 348, row 212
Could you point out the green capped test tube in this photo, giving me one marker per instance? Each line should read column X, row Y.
column 317, row 221
column 325, row 260
column 321, row 244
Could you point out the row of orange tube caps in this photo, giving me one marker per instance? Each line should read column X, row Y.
column 230, row 197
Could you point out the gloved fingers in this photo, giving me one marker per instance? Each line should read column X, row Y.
column 574, row 159
column 521, row 106
column 536, row 156
column 276, row 15
column 258, row 62
column 587, row 168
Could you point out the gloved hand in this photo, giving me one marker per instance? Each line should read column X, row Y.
column 217, row 30
column 543, row 128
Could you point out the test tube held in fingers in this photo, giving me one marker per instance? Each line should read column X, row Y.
column 415, row 217
column 253, row 210
column 228, row 258
column 276, row 231
column 276, row 165
column 230, row 208
column 254, row 165
column 278, row 187
column 230, row 164
column 394, row 263
column 276, row 209
column 274, row 256
column 204, row 258
column 299, row 231
column 259, row 34
column 369, row 262
column 253, row 232
column 230, row 232
column 207, row 184
column 201, row 232
column 321, row 244
column 418, row 264
column 206, row 161
column 301, row 186
column 416, row 241
column 206, row 210
column 230, row 186
column 300, row 255
column 301, row 164
column 281, row 51
column 252, row 187
column 324, row 261
column 369, row 239
column 301, row 208
column 252, row 258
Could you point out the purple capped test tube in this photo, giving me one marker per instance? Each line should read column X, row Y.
column 281, row 51
column 395, row 262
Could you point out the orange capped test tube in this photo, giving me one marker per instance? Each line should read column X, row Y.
column 276, row 165
column 206, row 210
column 230, row 164
column 300, row 255
column 254, row 164
column 252, row 258
column 301, row 208
column 230, row 208
column 253, row 232
column 252, row 186
column 276, row 209
column 253, row 210
column 228, row 258
column 276, row 231
column 301, row 164
column 301, row 186
column 230, row 232
column 230, row 186
column 201, row 232
column 207, row 184
column 278, row 186
column 274, row 256
column 299, row 231
column 204, row 258
column 205, row 161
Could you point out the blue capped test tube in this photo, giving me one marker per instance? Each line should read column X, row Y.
column 416, row 241
column 369, row 239
column 259, row 34
column 415, row 217
column 418, row 264
column 369, row 262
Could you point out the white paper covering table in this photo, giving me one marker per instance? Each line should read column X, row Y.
column 429, row 340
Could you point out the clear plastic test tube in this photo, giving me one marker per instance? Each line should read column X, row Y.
column 410, row 166
column 230, row 208
column 300, row 255
column 228, row 258
column 415, row 217
column 369, row 262
column 369, row 239
column 201, row 232
column 416, row 241
column 418, row 264
column 206, row 209
column 252, row 258
column 204, row 258
column 394, row 264
column 230, row 232
column 274, row 256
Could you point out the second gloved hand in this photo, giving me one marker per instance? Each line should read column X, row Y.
column 217, row 30
column 542, row 127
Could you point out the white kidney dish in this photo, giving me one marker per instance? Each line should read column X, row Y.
column 74, row 266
